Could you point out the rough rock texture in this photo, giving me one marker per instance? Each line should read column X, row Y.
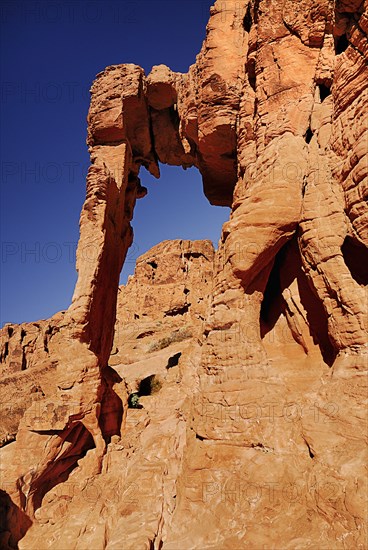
column 232, row 410
column 171, row 279
column 160, row 318
column 26, row 370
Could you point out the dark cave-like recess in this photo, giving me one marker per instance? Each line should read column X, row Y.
column 341, row 43
column 356, row 258
column 288, row 264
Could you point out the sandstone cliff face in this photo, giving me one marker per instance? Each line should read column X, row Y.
column 227, row 409
column 26, row 366
column 151, row 374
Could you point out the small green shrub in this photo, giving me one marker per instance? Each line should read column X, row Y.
column 133, row 401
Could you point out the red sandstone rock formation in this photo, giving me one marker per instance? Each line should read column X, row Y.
column 231, row 415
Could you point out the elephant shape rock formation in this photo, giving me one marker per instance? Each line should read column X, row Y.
column 217, row 400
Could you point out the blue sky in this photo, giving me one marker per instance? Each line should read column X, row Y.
column 50, row 54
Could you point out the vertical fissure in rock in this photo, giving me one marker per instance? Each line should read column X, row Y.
column 47, row 334
column 256, row 10
column 308, row 135
column 252, row 74
column 5, row 354
column 271, row 306
column 24, row 359
column 247, row 21
column 154, row 545
column 310, row 452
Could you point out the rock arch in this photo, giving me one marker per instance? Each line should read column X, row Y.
column 254, row 123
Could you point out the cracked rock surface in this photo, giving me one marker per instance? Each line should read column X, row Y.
column 218, row 400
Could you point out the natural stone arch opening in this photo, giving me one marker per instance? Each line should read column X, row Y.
column 137, row 121
column 181, row 120
column 122, row 139
column 174, row 208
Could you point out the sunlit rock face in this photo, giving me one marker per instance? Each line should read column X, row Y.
column 218, row 400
